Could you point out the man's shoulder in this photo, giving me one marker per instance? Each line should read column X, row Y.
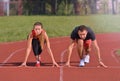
column 89, row 29
column 76, row 28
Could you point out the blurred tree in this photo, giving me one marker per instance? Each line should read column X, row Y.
column 65, row 7
column 85, row 3
column 77, row 4
column 34, row 7
column 105, row 7
column 20, row 7
column 81, row 6
column 53, row 4
column 115, row 7
column 93, row 7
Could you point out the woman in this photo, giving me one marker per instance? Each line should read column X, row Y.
column 36, row 41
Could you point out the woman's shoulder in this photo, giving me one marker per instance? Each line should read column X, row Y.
column 43, row 31
column 29, row 35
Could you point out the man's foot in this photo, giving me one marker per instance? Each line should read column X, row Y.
column 87, row 58
column 82, row 63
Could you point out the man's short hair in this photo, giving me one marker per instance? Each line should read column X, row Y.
column 82, row 28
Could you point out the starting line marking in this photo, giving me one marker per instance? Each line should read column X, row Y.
column 62, row 67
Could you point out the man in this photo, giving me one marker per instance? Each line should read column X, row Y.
column 83, row 36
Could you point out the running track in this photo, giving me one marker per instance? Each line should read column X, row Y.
column 12, row 55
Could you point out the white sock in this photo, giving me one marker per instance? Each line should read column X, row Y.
column 38, row 61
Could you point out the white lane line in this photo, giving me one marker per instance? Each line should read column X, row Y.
column 93, row 67
column 112, row 54
column 13, row 53
column 5, row 61
column 30, row 67
column 61, row 67
column 72, row 67
column 10, row 56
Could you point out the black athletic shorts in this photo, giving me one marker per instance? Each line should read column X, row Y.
column 36, row 47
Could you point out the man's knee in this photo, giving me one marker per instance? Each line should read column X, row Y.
column 80, row 43
column 87, row 43
column 88, row 50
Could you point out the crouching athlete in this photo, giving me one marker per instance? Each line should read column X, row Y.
column 36, row 41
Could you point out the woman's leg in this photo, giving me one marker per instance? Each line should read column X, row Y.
column 37, row 50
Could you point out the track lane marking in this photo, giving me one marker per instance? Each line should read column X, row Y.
column 61, row 67
column 112, row 54
column 10, row 56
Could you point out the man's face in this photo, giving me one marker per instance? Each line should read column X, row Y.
column 82, row 34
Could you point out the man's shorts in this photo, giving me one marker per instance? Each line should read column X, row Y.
column 36, row 47
column 87, row 43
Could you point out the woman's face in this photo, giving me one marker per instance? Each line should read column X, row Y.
column 38, row 29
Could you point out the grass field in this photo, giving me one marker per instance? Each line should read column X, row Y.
column 118, row 52
column 16, row 28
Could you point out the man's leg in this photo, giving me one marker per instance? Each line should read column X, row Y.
column 87, row 47
column 80, row 49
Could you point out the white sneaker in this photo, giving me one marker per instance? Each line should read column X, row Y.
column 87, row 58
column 82, row 63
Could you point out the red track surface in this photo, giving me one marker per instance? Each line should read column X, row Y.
column 12, row 55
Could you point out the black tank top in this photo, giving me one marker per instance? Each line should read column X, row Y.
column 90, row 34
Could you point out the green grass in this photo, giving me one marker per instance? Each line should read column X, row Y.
column 118, row 52
column 15, row 28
